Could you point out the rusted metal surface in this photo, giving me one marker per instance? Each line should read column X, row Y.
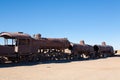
column 82, row 49
column 6, row 50
column 14, row 35
column 82, row 42
column 24, row 47
column 37, row 36
column 52, row 43
column 103, row 43
column 105, row 49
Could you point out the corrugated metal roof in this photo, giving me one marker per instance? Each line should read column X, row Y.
column 19, row 35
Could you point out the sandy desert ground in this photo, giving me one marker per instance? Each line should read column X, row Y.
column 99, row 69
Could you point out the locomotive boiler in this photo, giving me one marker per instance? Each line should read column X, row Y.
column 82, row 50
column 103, row 50
column 50, row 48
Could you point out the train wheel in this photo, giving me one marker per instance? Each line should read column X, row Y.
column 92, row 55
column 111, row 54
column 2, row 60
column 12, row 59
column 104, row 55
column 33, row 58
column 97, row 55
column 77, row 56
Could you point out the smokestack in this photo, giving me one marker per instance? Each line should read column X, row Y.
column 38, row 36
column 103, row 43
column 82, row 42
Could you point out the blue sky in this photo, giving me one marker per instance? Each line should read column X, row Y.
column 91, row 20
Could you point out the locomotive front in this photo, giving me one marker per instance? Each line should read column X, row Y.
column 82, row 50
column 104, row 50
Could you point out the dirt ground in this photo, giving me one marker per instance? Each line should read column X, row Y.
column 99, row 69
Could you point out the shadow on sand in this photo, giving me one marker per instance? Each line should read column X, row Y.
column 7, row 65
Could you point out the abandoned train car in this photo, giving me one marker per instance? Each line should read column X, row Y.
column 21, row 47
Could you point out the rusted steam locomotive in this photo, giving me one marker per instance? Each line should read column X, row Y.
column 83, row 50
column 20, row 47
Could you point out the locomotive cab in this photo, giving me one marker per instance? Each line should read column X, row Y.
column 7, row 46
column 15, row 42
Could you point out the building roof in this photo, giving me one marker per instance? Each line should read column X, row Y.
column 15, row 35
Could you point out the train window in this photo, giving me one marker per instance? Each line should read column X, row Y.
column 10, row 42
column 7, row 41
column 1, row 41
